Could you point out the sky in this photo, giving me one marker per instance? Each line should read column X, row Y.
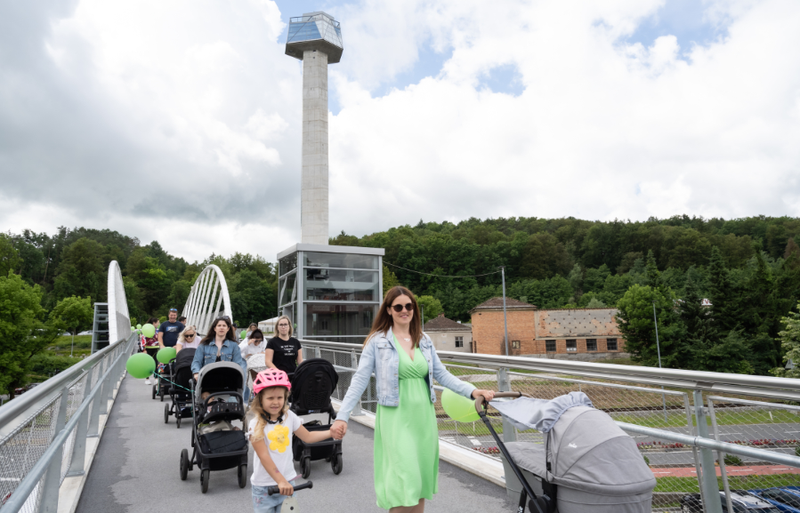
column 179, row 120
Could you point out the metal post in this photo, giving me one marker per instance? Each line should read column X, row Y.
column 720, row 456
column 52, row 479
column 505, row 315
column 708, row 481
column 78, row 461
column 354, row 365
column 504, row 385
column 658, row 348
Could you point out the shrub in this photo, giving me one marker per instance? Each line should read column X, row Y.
column 48, row 365
column 733, row 461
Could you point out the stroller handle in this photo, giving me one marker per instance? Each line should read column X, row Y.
column 272, row 490
column 479, row 402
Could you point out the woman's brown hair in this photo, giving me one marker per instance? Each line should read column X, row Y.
column 212, row 332
column 383, row 321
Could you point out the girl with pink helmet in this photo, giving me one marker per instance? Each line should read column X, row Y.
column 270, row 433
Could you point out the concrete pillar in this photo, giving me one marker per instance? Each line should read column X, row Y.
column 314, row 177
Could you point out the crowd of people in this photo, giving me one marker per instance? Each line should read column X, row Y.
column 397, row 352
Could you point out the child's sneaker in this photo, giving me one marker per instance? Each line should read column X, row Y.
column 147, row 381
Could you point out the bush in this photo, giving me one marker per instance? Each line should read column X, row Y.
column 47, row 365
column 733, row 461
column 646, row 460
column 797, row 451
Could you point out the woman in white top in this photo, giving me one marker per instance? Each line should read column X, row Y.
column 187, row 339
column 253, row 344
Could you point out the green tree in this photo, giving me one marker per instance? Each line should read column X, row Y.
column 431, row 307
column 389, row 279
column 75, row 314
column 790, row 343
column 9, row 257
column 22, row 332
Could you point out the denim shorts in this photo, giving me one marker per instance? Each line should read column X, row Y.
column 264, row 503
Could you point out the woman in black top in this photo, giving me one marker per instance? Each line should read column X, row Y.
column 284, row 351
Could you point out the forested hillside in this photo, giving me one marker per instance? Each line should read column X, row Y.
column 748, row 268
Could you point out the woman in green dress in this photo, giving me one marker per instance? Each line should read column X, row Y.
column 405, row 364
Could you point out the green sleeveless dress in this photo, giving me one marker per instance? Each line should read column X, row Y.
column 407, row 439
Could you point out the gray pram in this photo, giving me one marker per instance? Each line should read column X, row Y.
column 586, row 464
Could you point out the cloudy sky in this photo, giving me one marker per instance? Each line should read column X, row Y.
column 179, row 120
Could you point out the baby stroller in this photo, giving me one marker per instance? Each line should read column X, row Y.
column 586, row 464
column 216, row 445
column 161, row 386
column 179, row 390
column 312, row 386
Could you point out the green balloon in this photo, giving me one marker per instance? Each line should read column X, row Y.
column 459, row 408
column 140, row 365
column 242, row 334
column 138, row 326
column 166, row 354
column 149, row 331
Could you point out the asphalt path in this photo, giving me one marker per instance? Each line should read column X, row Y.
column 136, row 469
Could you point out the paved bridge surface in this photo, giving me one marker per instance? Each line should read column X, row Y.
column 136, row 469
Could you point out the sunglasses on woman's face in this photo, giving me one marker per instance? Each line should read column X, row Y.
column 189, row 336
column 399, row 308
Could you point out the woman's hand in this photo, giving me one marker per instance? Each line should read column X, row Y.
column 338, row 429
column 285, row 487
column 487, row 395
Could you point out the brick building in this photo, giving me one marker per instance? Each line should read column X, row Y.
column 449, row 335
column 581, row 334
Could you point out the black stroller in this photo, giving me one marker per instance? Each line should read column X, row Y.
column 161, row 386
column 587, row 464
column 216, row 445
column 312, row 386
column 179, row 389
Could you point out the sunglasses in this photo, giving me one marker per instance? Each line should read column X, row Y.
column 189, row 336
column 173, row 309
column 399, row 308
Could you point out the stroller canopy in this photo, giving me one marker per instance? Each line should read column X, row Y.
column 313, row 384
column 184, row 358
column 586, row 449
column 219, row 377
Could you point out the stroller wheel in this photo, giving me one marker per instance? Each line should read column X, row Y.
column 161, row 395
column 243, row 475
column 178, row 421
column 166, row 414
column 337, row 463
column 154, row 392
column 305, row 465
column 184, row 464
column 204, row 475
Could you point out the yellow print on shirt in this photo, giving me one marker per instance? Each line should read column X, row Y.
column 279, row 438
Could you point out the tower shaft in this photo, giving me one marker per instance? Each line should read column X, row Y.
column 314, row 175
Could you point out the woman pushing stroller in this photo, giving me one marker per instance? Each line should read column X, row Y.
column 219, row 345
column 270, row 434
column 405, row 364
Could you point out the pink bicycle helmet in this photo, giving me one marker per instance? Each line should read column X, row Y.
column 271, row 378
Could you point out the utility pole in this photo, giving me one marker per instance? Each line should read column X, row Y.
column 658, row 348
column 505, row 315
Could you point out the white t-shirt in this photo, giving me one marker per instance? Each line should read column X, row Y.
column 246, row 348
column 276, row 437
column 194, row 344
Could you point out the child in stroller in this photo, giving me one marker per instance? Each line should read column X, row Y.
column 313, row 384
column 218, row 399
column 270, row 432
column 179, row 389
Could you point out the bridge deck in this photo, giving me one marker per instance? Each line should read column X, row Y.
column 137, row 470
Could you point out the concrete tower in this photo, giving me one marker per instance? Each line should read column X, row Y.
column 316, row 39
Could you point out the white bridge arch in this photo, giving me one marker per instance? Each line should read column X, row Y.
column 119, row 320
column 209, row 289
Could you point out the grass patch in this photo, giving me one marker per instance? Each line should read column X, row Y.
column 63, row 345
column 724, row 418
column 690, row 485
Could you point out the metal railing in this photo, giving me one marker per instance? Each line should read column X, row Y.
column 672, row 429
column 43, row 433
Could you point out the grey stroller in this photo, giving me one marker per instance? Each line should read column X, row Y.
column 586, row 464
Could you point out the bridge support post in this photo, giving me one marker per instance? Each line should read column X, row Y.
column 94, row 417
column 354, row 364
column 78, row 460
column 504, row 385
column 708, row 481
column 52, row 478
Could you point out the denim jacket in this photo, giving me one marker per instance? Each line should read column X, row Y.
column 207, row 353
column 380, row 357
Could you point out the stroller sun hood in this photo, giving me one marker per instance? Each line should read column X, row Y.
column 219, row 377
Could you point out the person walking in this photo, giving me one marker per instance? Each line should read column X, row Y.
column 188, row 338
column 406, row 441
column 284, row 352
column 169, row 330
column 219, row 345
column 150, row 345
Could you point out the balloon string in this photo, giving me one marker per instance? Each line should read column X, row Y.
column 159, row 376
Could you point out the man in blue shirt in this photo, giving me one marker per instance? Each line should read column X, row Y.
column 169, row 330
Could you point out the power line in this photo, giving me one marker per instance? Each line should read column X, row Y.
column 441, row 275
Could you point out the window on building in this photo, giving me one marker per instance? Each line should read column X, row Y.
column 611, row 344
column 550, row 346
column 459, row 341
column 591, row 344
column 572, row 345
column 515, row 344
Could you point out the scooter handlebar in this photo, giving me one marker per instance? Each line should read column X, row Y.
column 272, row 490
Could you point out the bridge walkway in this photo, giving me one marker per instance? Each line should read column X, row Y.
column 136, row 470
